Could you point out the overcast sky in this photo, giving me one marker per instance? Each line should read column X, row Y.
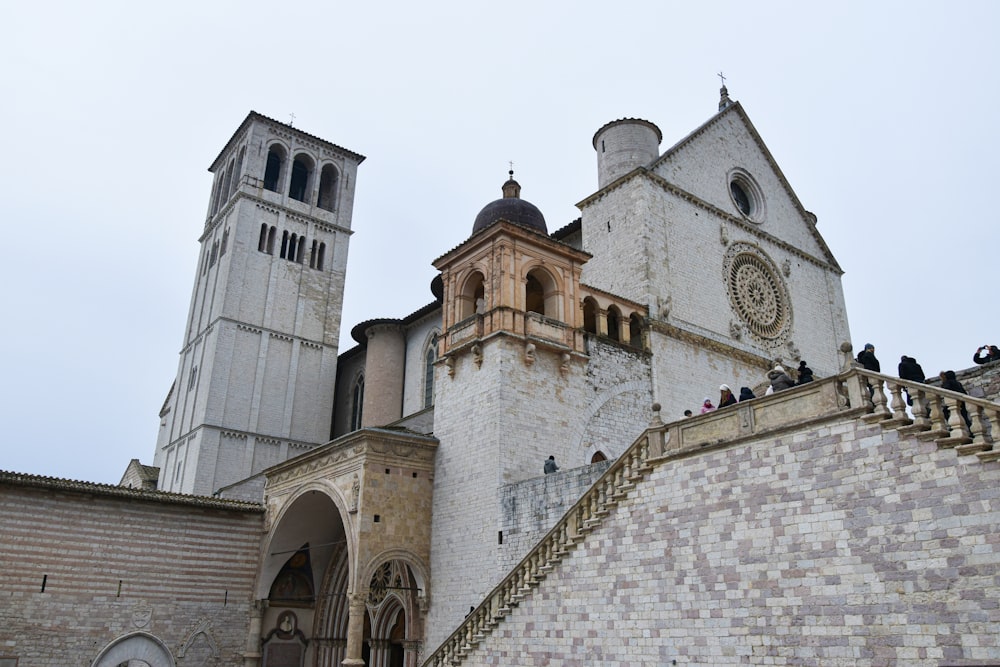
column 881, row 115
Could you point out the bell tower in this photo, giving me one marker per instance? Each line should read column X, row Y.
column 511, row 356
column 258, row 363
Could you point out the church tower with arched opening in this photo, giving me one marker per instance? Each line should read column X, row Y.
column 257, row 368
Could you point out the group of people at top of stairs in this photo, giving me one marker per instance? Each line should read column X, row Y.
column 909, row 369
column 777, row 378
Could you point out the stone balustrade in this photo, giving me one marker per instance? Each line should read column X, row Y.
column 869, row 396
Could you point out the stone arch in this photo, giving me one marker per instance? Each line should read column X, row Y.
column 357, row 400
column 199, row 644
column 275, row 166
column 329, row 182
column 430, row 357
column 135, row 646
column 473, row 288
column 590, row 314
column 296, row 524
column 635, row 326
column 420, row 571
column 332, row 612
column 614, row 323
column 611, row 450
column 396, row 583
column 389, row 631
column 542, row 290
column 301, row 183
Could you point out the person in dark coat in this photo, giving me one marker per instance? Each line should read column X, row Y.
column 550, row 465
column 866, row 358
column 909, row 369
column 779, row 379
column 992, row 354
column 805, row 373
column 951, row 383
column 726, row 396
column 746, row 394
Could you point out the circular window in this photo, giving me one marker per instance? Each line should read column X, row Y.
column 756, row 292
column 741, row 197
column 746, row 195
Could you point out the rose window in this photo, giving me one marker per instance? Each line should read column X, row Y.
column 757, row 294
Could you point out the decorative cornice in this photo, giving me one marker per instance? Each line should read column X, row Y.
column 704, row 342
column 283, row 129
column 749, row 228
column 351, row 450
column 808, row 217
column 615, row 297
column 504, row 227
column 214, row 220
column 252, row 329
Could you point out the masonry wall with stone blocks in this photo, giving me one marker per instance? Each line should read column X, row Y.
column 980, row 381
column 86, row 566
column 497, row 421
column 532, row 507
column 841, row 544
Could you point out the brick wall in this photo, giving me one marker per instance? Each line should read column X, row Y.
column 840, row 544
column 85, row 564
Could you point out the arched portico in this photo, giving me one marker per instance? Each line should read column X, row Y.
column 342, row 521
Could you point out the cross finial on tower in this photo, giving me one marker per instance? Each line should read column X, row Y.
column 511, row 172
column 724, row 100
column 291, row 121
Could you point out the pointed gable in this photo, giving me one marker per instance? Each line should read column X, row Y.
column 727, row 150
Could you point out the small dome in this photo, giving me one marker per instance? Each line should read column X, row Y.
column 512, row 209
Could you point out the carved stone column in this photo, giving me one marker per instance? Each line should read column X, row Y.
column 355, row 629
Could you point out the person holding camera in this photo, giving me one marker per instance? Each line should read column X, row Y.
column 992, row 354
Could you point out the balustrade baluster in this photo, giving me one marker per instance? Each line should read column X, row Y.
column 920, row 409
column 898, row 404
column 879, row 399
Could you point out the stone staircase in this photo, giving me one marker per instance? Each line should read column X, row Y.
column 872, row 397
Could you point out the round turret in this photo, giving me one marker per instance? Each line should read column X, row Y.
column 512, row 209
column 622, row 145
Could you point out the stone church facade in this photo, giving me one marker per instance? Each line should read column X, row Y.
column 384, row 505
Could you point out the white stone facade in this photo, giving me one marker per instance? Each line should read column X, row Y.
column 666, row 233
column 687, row 269
column 256, row 375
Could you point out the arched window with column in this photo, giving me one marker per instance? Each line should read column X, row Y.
column 328, row 180
column 302, row 168
column 635, row 330
column 472, row 296
column 273, row 171
column 541, row 293
column 590, row 315
column 614, row 323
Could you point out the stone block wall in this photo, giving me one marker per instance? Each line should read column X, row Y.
column 497, row 422
column 982, row 381
column 532, row 507
column 839, row 544
column 85, row 565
